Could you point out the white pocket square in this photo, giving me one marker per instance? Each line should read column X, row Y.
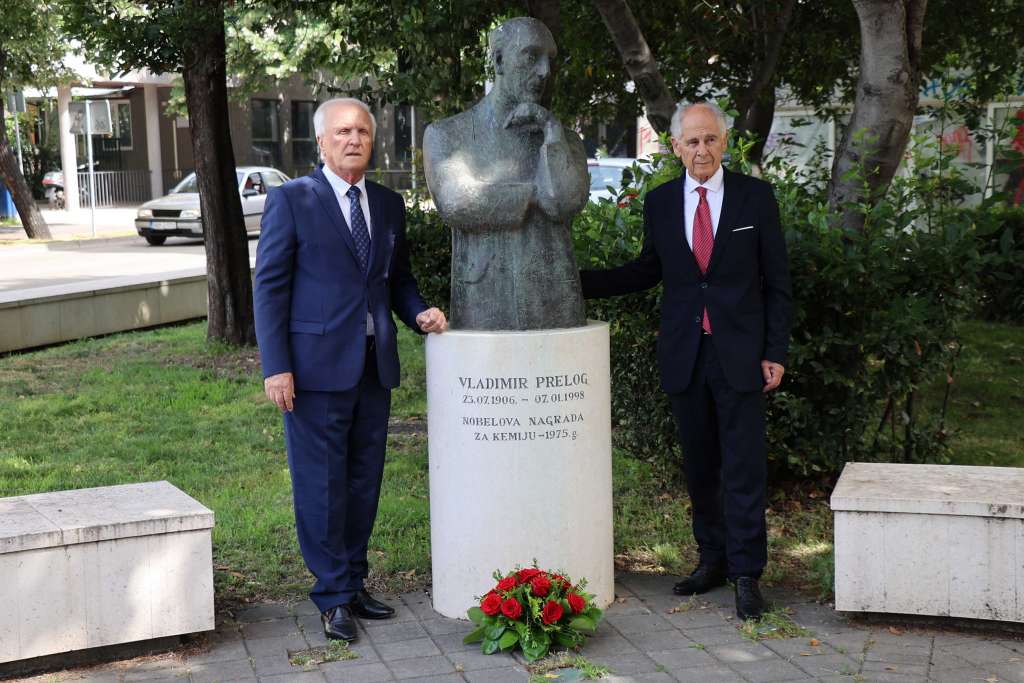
column 749, row 227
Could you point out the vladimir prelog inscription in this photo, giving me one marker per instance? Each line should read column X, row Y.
column 546, row 406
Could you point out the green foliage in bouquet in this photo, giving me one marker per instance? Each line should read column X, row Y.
column 534, row 610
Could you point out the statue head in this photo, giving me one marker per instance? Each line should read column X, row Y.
column 522, row 51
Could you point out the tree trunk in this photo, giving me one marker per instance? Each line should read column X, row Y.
column 640, row 63
column 14, row 180
column 756, row 104
column 886, row 99
column 227, row 249
column 549, row 12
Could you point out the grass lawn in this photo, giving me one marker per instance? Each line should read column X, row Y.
column 165, row 405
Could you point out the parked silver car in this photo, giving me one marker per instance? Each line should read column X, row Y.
column 607, row 172
column 178, row 213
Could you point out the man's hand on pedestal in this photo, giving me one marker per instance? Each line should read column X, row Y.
column 432, row 320
column 280, row 389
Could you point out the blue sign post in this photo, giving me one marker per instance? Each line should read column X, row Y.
column 7, row 209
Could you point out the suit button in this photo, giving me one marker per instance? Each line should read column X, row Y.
column 703, row 285
column 696, row 319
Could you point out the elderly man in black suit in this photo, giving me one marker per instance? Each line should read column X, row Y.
column 713, row 238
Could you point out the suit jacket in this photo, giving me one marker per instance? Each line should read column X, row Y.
column 311, row 296
column 746, row 288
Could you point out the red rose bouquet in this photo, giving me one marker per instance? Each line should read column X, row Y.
column 534, row 610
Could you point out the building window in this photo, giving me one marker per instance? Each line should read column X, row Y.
column 121, row 124
column 305, row 155
column 266, row 137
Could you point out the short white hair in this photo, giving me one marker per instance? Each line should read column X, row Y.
column 321, row 113
column 677, row 118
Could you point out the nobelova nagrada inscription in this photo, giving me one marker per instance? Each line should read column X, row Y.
column 559, row 391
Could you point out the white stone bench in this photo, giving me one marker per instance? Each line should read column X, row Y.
column 937, row 540
column 104, row 566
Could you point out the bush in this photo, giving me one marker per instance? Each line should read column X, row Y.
column 1001, row 287
column 430, row 250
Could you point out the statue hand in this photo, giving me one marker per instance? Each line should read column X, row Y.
column 529, row 115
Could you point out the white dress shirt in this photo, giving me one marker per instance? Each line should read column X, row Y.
column 715, row 194
column 340, row 187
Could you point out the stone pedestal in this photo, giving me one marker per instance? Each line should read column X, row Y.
column 939, row 540
column 95, row 567
column 520, row 459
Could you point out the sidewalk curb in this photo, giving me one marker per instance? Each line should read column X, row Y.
column 57, row 244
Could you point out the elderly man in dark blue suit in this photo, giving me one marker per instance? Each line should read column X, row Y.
column 331, row 265
column 713, row 238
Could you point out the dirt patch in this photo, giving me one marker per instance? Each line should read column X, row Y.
column 238, row 364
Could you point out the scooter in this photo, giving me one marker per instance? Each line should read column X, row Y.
column 54, row 184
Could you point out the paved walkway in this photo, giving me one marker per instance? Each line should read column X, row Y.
column 644, row 637
column 77, row 225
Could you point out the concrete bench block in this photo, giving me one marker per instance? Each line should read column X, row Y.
column 104, row 566
column 938, row 540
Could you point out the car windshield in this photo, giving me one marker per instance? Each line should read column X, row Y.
column 189, row 184
column 601, row 177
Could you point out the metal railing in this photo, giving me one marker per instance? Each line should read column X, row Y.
column 116, row 188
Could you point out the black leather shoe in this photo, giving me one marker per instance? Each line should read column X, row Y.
column 339, row 624
column 364, row 606
column 704, row 578
column 749, row 601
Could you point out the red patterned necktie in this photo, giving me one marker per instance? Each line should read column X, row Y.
column 703, row 241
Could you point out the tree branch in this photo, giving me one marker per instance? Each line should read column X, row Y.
column 639, row 62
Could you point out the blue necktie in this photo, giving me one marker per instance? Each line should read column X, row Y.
column 359, row 232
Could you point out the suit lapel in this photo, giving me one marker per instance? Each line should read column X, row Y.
column 731, row 203
column 677, row 220
column 374, row 197
column 329, row 200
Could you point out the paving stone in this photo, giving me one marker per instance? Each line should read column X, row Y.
column 639, row 623
column 101, row 677
column 220, row 652
column 452, row 643
column 275, row 647
column 168, row 673
column 794, row 647
column 406, row 649
column 685, row 658
column 651, row 677
column 421, row 666
column 696, row 618
column 419, row 604
column 442, row 626
column 621, row 590
column 508, row 674
column 706, row 674
column 306, row 608
column 298, row 676
column 393, row 633
column 262, row 612
column 403, row 613
column 608, row 646
column 709, row 637
column 945, row 660
column 339, row 672
column 1008, row 673
column 983, row 653
column 770, row 671
column 476, row 660
column 877, row 668
column 742, row 652
column 659, row 641
column 962, row 675
column 444, row 678
column 826, row 665
column 627, row 665
column 275, row 628
column 896, row 656
column 627, row 605
column 222, row 672
column 272, row 666
column 648, row 584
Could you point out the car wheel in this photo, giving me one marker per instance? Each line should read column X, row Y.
column 156, row 240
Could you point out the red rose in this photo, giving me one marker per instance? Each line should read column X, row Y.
column 506, row 584
column 552, row 612
column 511, row 608
column 541, row 585
column 576, row 602
column 527, row 574
column 491, row 604
column 559, row 579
